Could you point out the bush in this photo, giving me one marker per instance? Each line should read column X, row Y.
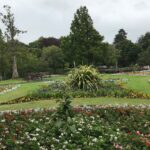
column 84, row 78
column 91, row 128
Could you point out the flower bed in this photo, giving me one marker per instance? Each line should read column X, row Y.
column 55, row 90
column 99, row 127
column 8, row 88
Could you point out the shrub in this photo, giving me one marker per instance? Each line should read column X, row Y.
column 91, row 128
column 84, row 78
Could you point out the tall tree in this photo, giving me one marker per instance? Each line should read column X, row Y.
column 144, row 44
column 45, row 42
column 128, row 50
column 11, row 32
column 53, row 59
column 83, row 37
column 121, row 36
column 1, row 55
column 144, row 41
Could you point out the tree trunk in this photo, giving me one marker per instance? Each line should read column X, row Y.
column 116, row 66
column 15, row 69
column 1, row 78
column 74, row 64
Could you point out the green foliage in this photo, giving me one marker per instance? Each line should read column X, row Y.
column 144, row 41
column 83, row 37
column 11, row 32
column 121, row 36
column 45, row 42
column 144, row 44
column 144, row 57
column 128, row 50
column 53, row 58
column 84, row 78
column 105, row 127
column 63, row 118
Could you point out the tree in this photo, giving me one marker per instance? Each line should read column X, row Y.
column 11, row 32
column 144, row 57
column 144, row 44
column 144, row 41
column 121, row 36
column 45, row 42
column 5, row 64
column 112, row 56
column 128, row 50
column 1, row 55
column 83, row 37
column 53, row 58
column 69, row 53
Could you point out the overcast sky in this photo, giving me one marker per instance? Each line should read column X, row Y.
column 53, row 17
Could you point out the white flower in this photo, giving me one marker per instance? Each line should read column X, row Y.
column 37, row 129
column 94, row 140
column 3, row 120
column 65, row 142
column 34, row 139
column 100, row 137
column 79, row 129
column 115, row 138
column 90, row 143
column 118, row 130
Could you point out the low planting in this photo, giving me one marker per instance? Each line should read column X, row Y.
column 110, row 89
column 8, row 88
column 84, row 78
column 99, row 127
column 56, row 90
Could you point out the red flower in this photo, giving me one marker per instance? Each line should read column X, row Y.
column 129, row 132
column 148, row 144
column 133, row 139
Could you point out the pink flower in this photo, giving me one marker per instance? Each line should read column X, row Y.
column 148, row 135
column 138, row 132
column 117, row 146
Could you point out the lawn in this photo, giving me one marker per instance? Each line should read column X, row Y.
column 12, row 81
column 76, row 102
column 23, row 90
column 135, row 82
column 139, row 83
column 26, row 87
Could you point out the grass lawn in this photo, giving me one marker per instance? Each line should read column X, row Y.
column 12, row 81
column 138, row 83
column 75, row 102
column 23, row 90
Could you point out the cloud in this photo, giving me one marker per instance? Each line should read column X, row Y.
column 53, row 17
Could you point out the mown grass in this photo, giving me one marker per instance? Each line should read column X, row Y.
column 23, row 90
column 135, row 82
column 76, row 102
column 12, row 81
column 138, row 83
column 26, row 87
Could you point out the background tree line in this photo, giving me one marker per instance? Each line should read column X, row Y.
column 83, row 46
